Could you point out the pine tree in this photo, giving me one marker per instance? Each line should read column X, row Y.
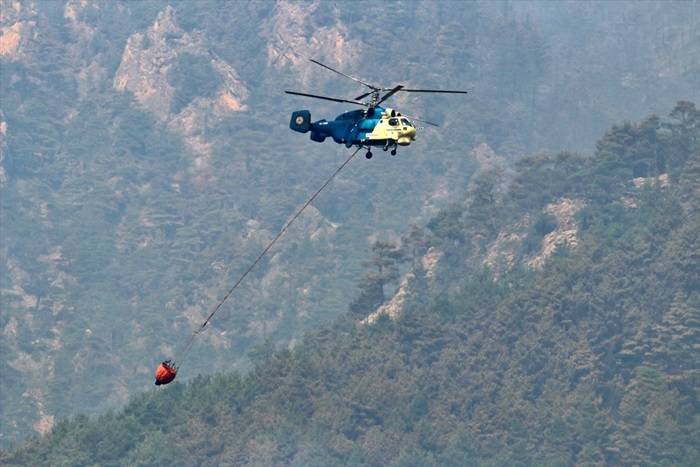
column 678, row 336
column 384, row 264
column 383, row 269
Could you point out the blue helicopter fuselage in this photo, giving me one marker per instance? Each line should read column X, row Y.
column 347, row 128
column 372, row 127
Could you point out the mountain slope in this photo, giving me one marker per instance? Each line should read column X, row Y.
column 588, row 357
column 145, row 159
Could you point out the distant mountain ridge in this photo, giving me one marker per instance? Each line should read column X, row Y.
column 587, row 357
column 145, row 158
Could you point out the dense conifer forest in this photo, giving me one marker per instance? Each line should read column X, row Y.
column 589, row 359
column 478, row 294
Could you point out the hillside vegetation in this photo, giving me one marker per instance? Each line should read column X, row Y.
column 146, row 159
column 588, row 356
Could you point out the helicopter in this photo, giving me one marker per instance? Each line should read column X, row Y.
column 366, row 128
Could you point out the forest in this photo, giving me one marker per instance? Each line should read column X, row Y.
column 146, row 159
column 588, row 359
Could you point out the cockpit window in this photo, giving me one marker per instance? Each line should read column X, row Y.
column 406, row 122
column 394, row 121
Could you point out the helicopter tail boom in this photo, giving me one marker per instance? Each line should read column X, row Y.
column 300, row 121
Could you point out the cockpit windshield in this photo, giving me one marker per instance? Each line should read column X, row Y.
column 406, row 122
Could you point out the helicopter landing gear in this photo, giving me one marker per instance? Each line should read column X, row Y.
column 369, row 154
column 393, row 148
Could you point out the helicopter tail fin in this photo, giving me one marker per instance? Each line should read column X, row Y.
column 301, row 121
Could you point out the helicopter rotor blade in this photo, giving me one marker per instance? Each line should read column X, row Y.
column 374, row 88
column 362, row 96
column 326, row 98
column 389, row 94
column 444, row 91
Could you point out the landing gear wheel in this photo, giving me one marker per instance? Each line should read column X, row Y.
column 393, row 152
column 368, row 155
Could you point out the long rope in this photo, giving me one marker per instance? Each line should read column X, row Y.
column 187, row 347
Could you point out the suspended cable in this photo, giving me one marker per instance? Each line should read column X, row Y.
column 198, row 330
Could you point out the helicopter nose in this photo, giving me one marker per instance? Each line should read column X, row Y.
column 407, row 134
